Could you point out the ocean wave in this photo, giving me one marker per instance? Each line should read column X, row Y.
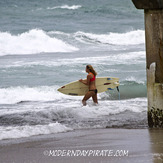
column 70, row 115
column 13, row 95
column 38, row 41
column 128, row 38
column 32, row 42
column 73, row 7
column 27, row 131
column 42, row 110
column 129, row 58
column 128, row 90
column 48, row 112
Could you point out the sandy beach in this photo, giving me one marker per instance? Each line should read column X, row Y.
column 87, row 146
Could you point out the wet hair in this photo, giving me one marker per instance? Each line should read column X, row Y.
column 91, row 69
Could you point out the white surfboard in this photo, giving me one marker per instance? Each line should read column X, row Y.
column 79, row 89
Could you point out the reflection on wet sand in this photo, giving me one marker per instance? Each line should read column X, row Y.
column 156, row 138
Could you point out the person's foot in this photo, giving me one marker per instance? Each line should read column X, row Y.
column 84, row 103
column 96, row 103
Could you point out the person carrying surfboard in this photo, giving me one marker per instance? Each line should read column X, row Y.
column 90, row 81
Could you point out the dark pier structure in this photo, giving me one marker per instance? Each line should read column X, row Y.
column 153, row 13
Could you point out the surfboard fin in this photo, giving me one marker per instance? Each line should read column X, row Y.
column 118, row 93
column 118, row 89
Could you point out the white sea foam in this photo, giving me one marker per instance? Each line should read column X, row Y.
column 69, row 110
column 73, row 7
column 128, row 38
column 31, row 42
column 14, row 95
column 39, row 41
column 27, row 131
column 107, row 107
column 133, row 79
column 82, row 116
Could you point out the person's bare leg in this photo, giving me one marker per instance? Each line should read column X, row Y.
column 86, row 97
column 94, row 97
column 84, row 103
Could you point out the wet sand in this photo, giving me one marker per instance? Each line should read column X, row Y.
column 87, row 146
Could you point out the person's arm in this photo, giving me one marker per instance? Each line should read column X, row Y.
column 87, row 81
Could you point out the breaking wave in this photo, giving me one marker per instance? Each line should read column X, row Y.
column 32, row 42
column 73, row 7
column 128, row 38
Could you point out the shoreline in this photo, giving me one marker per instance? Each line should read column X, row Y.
column 109, row 145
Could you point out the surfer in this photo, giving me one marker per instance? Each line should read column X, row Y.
column 90, row 81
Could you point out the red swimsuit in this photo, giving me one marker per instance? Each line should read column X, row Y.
column 93, row 79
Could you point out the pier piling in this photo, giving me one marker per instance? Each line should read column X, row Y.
column 153, row 15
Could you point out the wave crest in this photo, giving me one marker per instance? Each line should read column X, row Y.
column 129, row 38
column 27, row 131
column 32, row 42
column 73, row 7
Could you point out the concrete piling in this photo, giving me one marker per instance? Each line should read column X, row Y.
column 153, row 13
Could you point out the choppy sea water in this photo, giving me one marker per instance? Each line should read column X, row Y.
column 46, row 44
